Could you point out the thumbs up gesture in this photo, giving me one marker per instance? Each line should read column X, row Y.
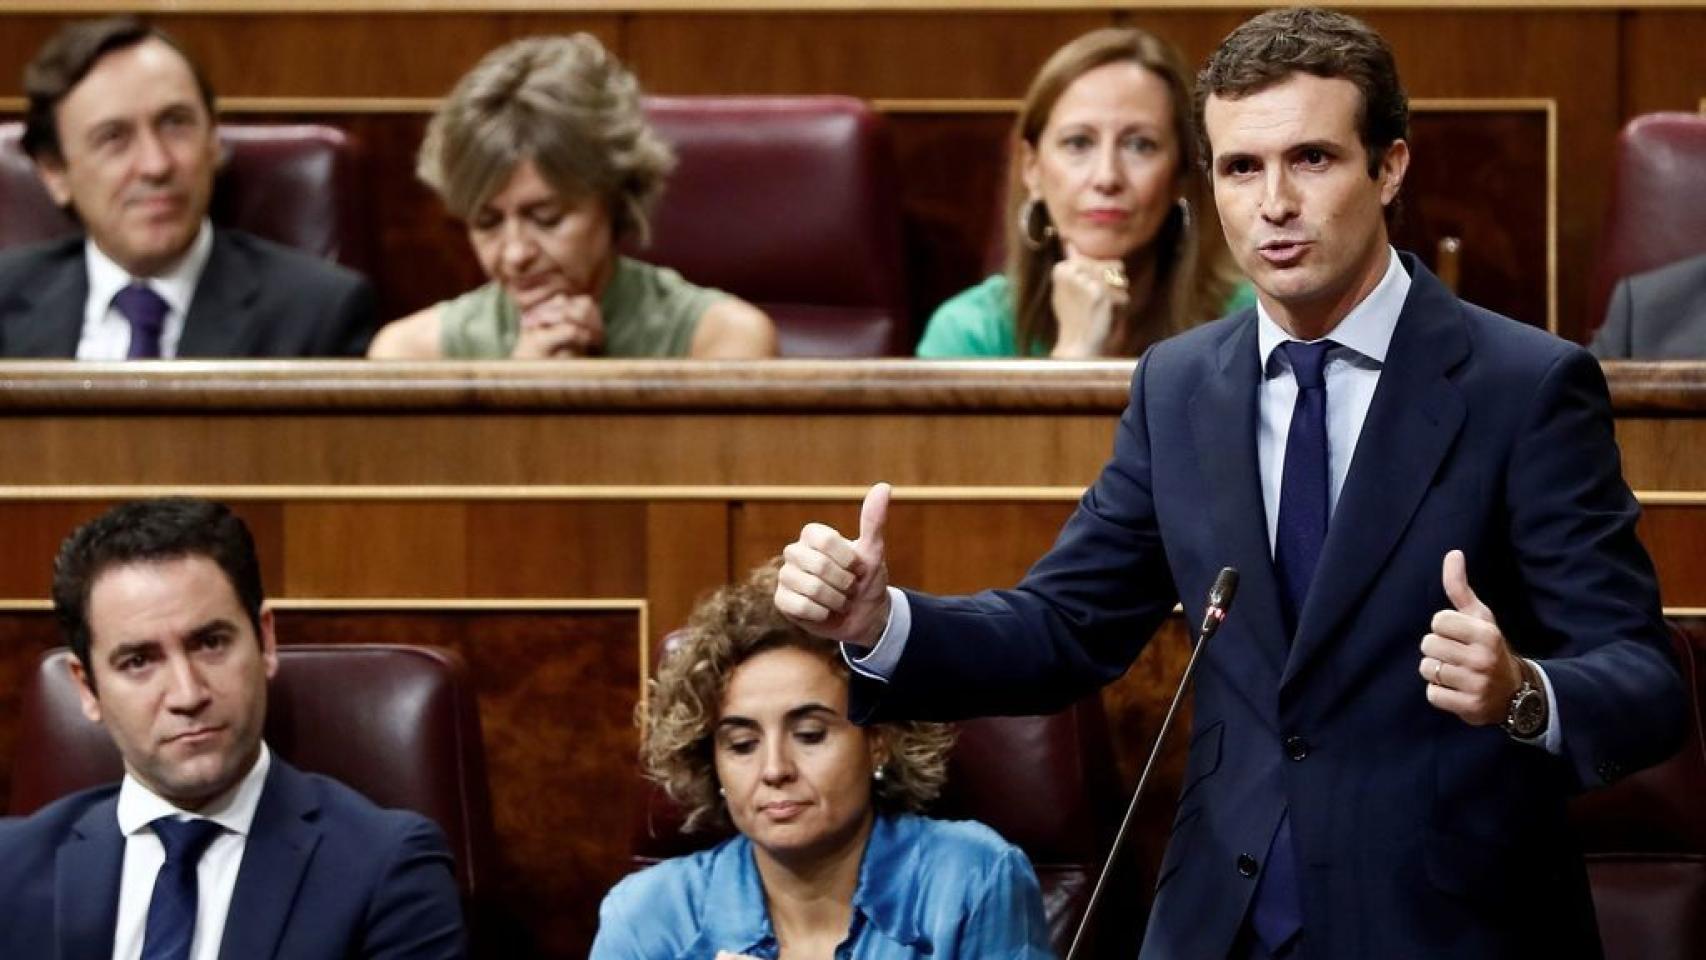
column 835, row 587
column 1470, row 669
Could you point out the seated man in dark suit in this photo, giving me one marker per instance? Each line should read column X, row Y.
column 210, row 846
column 121, row 129
column 1657, row 315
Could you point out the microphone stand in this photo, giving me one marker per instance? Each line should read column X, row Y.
column 1219, row 599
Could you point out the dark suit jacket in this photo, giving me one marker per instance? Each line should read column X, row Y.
column 255, row 299
column 1417, row 834
column 1657, row 315
column 325, row 874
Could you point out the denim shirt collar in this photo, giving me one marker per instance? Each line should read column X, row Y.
column 737, row 918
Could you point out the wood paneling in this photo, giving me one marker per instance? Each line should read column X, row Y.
column 629, row 488
column 1659, row 71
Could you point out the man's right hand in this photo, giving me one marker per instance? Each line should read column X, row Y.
column 838, row 588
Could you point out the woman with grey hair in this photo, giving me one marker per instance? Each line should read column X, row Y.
column 542, row 150
column 747, row 727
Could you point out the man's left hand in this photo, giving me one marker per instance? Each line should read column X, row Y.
column 1470, row 669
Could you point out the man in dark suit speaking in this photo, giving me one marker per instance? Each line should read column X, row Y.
column 211, row 848
column 121, row 129
column 1445, row 622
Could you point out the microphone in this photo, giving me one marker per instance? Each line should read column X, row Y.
column 1219, row 602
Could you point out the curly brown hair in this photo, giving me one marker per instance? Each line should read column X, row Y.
column 680, row 715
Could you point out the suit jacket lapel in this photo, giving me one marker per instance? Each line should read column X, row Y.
column 220, row 319
column 86, row 884
column 1223, row 423
column 280, row 845
column 1414, row 417
column 50, row 318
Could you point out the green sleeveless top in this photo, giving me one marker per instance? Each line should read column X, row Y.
column 648, row 312
column 980, row 322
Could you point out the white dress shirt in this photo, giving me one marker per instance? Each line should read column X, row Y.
column 216, row 874
column 106, row 333
column 1352, row 372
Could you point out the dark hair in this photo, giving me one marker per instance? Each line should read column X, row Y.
column 146, row 531
column 68, row 57
column 1271, row 46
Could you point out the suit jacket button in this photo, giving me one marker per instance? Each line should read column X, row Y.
column 1296, row 748
column 1246, row 865
column 1609, row 770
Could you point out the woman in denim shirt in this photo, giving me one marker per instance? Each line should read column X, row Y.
column 746, row 726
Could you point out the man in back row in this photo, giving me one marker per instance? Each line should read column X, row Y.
column 121, row 129
column 1445, row 623
column 212, row 847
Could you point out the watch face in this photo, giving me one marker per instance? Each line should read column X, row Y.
column 1528, row 713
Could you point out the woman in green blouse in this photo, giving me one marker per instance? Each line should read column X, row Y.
column 1112, row 240
column 543, row 151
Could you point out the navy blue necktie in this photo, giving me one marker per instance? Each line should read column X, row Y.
column 1302, row 526
column 171, row 910
column 146, row 312
column 1276, row 917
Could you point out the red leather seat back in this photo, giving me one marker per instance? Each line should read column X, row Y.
column 297, row 185
column 1658, row 203
column 1048, row 785
column 790, row 203
column 1645, row 838
column 397, row 723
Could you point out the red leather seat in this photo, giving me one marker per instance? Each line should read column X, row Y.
column 1658, row 203
column 1048, row 785
column 1645, row 838
column 791, row 203
column 397, row 723
column 293, row 184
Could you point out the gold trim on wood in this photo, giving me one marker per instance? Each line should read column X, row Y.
column 257, row 7
column 458, row 604
column 945, row 105
column 1671, row 498
column 637, row 605
column 528, row 493
column 994, row 493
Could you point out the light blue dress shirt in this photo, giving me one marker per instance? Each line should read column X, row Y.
column 947, row 890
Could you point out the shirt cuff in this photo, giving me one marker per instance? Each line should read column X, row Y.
column 879, row 662
column 1552, row 741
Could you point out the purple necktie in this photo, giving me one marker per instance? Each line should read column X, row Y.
column 146, row 312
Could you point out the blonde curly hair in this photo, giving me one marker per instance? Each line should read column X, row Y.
column 680, row 715
column 562, row 102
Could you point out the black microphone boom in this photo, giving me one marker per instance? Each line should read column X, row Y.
column 1219, row 601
